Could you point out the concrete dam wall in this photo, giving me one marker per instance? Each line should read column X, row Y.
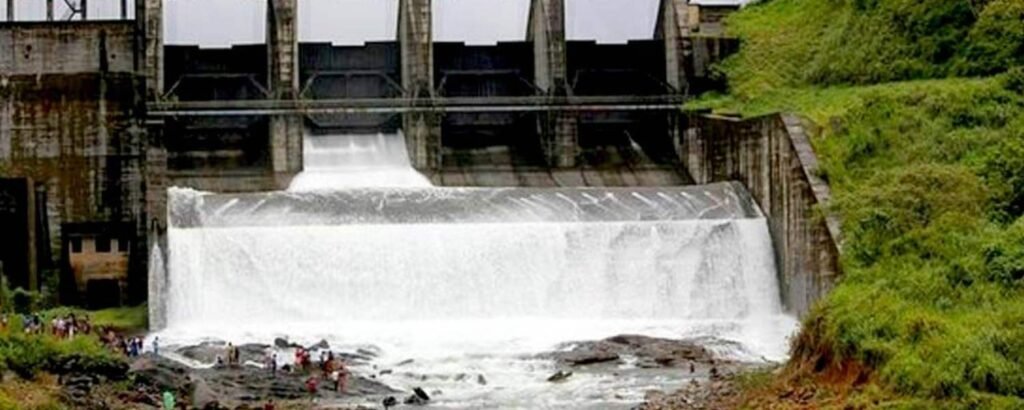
column 103, row 117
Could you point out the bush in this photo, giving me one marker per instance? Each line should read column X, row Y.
column 831, row 42
column 28, row 355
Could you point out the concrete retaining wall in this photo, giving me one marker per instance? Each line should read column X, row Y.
column 31, row 48
column 772, row 156
column 68, row 121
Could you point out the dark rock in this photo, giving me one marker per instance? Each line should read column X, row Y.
column 202, row 394
column 591, row 357
column 649, row 352
column 213, row 405
column 282, row 343
column 205, row 352
column 321, row 345
column 404, row 362
column 385, row 371
column 561, row 376
column 421, row 394
column 415, row 400
column 390, row 401
column 481, row 380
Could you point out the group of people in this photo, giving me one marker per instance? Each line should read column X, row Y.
column 331, row 369
column 132, row 346
column 64, row 327
column 68, row 326
column 30, row 323
column 233, row 356
column 129, row 346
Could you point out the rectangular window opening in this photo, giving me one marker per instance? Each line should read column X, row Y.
column 102, row 244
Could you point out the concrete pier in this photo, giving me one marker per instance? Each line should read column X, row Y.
column 415, row 39
column 558, row 131
column 283, row 84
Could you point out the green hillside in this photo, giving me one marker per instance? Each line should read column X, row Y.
column 919, row 107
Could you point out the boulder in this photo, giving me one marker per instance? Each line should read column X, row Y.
column 559, row 377
column 321, row 345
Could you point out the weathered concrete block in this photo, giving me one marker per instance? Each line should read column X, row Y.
column 773, row 158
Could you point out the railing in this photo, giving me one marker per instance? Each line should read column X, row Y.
column 407, row 105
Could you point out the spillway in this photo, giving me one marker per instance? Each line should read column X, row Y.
column 363, row 251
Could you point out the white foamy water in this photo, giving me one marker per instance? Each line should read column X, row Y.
column 356, row 161
column 471, row 282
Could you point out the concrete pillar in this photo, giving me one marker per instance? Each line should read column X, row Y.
column 558, row 130
column 149, row 18
column 422, row 130
column 283, row 83
column 673, row 29
column 153, row 279
column 33, row 251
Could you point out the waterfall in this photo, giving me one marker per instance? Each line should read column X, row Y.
column 356, row 161
column 362, row 250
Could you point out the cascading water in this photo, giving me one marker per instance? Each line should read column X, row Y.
column 361, row 251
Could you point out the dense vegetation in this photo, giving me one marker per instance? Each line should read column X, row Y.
column 30, row 363
column 920, row 109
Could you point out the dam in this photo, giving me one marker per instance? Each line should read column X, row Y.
column 505, row 194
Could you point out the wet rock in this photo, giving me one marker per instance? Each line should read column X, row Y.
column 481, row 380
column 282, row 343
column 321, row 345
column 159, row 373
column 653, row 395
column 389, row 402
column 418, row 398
column 559, row 377
column 649, row 352
column 213, row 405
column 584, row 358
column 207, row 352
column 202, row 394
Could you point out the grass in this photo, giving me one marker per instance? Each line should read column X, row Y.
column 919, row 108
column 124, row 319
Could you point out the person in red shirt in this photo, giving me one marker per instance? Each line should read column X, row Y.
column 311, row 386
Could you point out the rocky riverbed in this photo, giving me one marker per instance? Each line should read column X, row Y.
column 619, row 372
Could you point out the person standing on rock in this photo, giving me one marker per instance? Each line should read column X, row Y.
column 156, row 346
column 340, row 376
